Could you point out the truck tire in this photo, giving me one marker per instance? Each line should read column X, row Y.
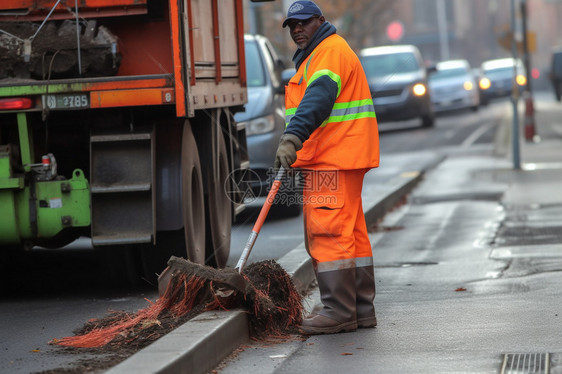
column 219, row 211
column 192, row 198
column 183, row 235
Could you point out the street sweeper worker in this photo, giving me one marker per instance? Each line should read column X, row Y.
column 331, row 136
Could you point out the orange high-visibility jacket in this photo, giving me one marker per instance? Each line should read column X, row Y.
column 348, row 138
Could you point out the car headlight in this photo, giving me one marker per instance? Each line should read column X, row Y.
column 521, row 80
column 485, row 83
column 468, row 86
column 419, row 89
column 260, row 125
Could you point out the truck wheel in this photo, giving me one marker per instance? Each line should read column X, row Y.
column 192, row 198
column 177, row 152
column 218, row 206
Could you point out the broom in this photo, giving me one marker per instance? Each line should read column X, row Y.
column 187, row 288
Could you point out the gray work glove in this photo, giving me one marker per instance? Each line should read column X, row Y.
column 289, row 144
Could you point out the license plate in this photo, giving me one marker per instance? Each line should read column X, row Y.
column 66, row 101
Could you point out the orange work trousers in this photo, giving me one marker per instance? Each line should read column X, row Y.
column 335, row 228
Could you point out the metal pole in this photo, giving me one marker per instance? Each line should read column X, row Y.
column 529, row 126
column 515, row 94
column 526, row 54
column 443, row 34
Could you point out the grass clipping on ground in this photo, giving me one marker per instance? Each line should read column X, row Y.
column 273, row 304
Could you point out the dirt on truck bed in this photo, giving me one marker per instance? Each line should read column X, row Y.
column 51, row 52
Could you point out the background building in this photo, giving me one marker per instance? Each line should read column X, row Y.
column 442, row 29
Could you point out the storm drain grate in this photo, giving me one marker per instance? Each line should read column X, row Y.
column 524, row 235
column 526, row 363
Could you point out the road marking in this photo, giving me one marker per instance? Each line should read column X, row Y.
column 541, row 165
column 410, row 174
column 476, row 134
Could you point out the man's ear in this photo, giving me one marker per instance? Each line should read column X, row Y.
column 322, row 19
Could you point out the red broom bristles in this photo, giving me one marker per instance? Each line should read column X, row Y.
column 179, row 298
column 274, row 307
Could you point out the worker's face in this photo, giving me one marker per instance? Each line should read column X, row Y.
column 303, row 30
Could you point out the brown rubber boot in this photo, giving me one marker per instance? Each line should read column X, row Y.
column 337, row 292
column 365, row 295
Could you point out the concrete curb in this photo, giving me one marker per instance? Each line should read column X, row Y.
column 202, row 343
column 193, row 347
column 400, row 187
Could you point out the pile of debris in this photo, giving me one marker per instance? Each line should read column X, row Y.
column 52, row 51
column 274, row 307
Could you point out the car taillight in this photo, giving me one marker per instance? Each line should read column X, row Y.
column 15, row 103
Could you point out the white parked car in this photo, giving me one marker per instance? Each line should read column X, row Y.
column 453, row 86
column 497, row 78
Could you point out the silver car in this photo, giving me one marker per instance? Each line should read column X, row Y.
column 453, row 86
column 398, row 81
column 264, row 118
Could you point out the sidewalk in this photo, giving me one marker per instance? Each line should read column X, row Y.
column 479, row 290
column 512, row 309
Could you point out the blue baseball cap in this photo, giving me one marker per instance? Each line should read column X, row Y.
column 302, row 10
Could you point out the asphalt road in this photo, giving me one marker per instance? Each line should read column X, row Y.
column 55, row 292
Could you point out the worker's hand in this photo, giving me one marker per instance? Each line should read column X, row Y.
column 286, row 155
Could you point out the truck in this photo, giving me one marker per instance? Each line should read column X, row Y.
column 117, row 126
